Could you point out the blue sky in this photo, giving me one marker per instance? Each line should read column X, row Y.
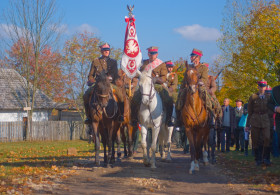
column 176, row 26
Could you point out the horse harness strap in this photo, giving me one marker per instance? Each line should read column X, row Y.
column 149, row 95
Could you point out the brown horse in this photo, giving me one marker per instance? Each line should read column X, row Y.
column 195, row 118
column 126, row 132
column 103, row 114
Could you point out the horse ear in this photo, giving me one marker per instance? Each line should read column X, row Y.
column 187, row 64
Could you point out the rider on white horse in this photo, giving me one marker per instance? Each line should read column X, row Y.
column 159, row 73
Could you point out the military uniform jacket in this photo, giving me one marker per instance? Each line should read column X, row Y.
column 202, row 71
column 258, row 111
column 160, row 71
column 109, row 65
column 172, row 80
column 274, row 100
column 211, row 85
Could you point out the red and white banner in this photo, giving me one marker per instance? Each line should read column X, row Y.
column 132, row 56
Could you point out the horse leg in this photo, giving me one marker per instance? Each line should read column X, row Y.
column 118, row 140
column 97, row 142
column 131, row 133
column 110, row 146
column 170, row 131
column 155, row 132
column 105, row 151
column 123, row 137
column 192, row 148
column 144, row 145
column 161, row 143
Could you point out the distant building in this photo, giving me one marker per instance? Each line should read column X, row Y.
column 13, row 99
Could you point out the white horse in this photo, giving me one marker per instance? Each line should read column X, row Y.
column 164, row 138
column 151, row 115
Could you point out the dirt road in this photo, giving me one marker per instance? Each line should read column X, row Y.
column 132, row 177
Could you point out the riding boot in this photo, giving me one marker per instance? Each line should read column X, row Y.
column 266, row 156
column 121, row 107
column 169, row 111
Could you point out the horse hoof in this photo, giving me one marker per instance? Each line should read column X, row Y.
column 147, row 165
column 168, row 160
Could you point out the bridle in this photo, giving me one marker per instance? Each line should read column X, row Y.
column 150, row 95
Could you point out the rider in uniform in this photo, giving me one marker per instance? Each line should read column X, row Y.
column 159, row 74
column 259, row 123
column 171, row 81
column 172, row 84
column 202, row 71
column 109, row 65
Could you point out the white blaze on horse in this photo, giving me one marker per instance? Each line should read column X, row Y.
column 151, row 115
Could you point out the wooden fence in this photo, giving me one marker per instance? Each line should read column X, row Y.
column 43, row 130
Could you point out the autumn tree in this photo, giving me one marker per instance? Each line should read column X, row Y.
column 51, row 79
column 250, row 46
column 32, row 22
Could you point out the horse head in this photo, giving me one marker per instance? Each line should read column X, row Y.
column 102, row 89
column 146, row 86
column 192, row 79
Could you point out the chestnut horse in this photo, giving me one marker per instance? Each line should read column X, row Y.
column 126, row 131
column 195, row 118
column 103, row 114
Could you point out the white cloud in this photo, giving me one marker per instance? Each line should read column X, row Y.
column 7, row 31
column 87, row 28
column 197, row 32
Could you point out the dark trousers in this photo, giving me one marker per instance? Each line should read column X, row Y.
column 239, row 138
column 277, row 122
column 219, row 138
column 225, row 137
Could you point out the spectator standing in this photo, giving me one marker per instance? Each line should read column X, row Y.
column 228, row 122
column 239, row 131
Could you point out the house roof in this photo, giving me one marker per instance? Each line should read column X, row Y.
column 13, row 92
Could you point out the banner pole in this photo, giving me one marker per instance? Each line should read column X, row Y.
column 129, row 90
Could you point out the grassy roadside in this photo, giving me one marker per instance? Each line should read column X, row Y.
column 244, row 171
column 27, row 165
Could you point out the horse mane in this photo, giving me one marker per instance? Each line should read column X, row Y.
column 144, row 77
